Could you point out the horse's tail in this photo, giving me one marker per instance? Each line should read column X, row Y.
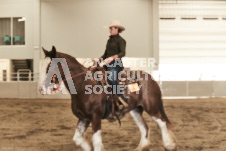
column 163, row 114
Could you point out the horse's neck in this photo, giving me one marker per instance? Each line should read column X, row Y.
column 75, row 68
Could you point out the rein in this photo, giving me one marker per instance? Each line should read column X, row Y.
column 76, row 75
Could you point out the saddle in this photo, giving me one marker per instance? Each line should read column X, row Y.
column 113, row 102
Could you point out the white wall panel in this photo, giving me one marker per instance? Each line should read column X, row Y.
column 192, row 41
column 19, row 8
column 77, row 27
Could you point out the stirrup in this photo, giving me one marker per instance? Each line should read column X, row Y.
column 120, row 107
column 123, row 102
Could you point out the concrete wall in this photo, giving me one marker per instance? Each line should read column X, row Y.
column 25, row 90
column 28, row 90
column 76, row 27
column 19, row 8
column 193, row 88
column 30, row 9
column 4, row 65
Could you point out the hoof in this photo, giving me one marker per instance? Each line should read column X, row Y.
column 175, row 149
column 145, row 148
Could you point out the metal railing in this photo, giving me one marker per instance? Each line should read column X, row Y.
column 20, row 75
column 24, row 74
column 24, row 84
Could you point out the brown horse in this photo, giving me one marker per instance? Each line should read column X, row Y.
column 90, row 108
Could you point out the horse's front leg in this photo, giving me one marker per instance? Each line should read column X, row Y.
column 97, row 140
column 78, row 137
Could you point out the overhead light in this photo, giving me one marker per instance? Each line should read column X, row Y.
column 22, row 19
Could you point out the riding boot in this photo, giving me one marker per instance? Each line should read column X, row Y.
column 124, row 102
column 111, row 117
column 112, row 114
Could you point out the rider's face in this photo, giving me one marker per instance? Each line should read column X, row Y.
column 113, row 30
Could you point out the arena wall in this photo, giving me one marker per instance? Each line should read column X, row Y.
column 78, row 28
column 29, row 90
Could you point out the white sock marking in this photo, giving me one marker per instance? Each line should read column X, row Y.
column 144, row 140
column 97, row 141
column 78, row 137
column 167, row 140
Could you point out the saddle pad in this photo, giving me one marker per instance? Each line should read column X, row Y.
column 133, row 87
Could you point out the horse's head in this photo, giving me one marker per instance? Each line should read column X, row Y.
column 44, row 83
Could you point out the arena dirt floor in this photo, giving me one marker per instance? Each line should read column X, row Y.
column 49, row 125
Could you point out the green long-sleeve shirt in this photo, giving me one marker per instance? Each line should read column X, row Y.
column 116, row 45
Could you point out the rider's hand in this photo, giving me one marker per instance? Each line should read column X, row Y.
column 115, row 57
column 109, row 60
column 96, row 61
column 88, row 63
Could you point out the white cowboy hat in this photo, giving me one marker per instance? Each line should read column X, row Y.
column 116, row 23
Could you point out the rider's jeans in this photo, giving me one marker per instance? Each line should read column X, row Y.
column 116, row 67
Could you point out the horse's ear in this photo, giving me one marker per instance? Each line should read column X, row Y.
column 45, row 51
column 53, row 52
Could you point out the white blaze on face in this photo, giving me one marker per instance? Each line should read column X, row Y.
column 42, row 73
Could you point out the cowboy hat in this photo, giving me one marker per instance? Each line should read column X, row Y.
column 116, row 23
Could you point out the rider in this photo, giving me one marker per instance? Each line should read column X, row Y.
column 115, row 50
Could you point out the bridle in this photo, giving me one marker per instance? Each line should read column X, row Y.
column 79, row 74
column 76, row 75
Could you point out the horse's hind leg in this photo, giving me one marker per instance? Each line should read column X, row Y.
column 144, row 129
column 168, row 137
column 78, row 137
